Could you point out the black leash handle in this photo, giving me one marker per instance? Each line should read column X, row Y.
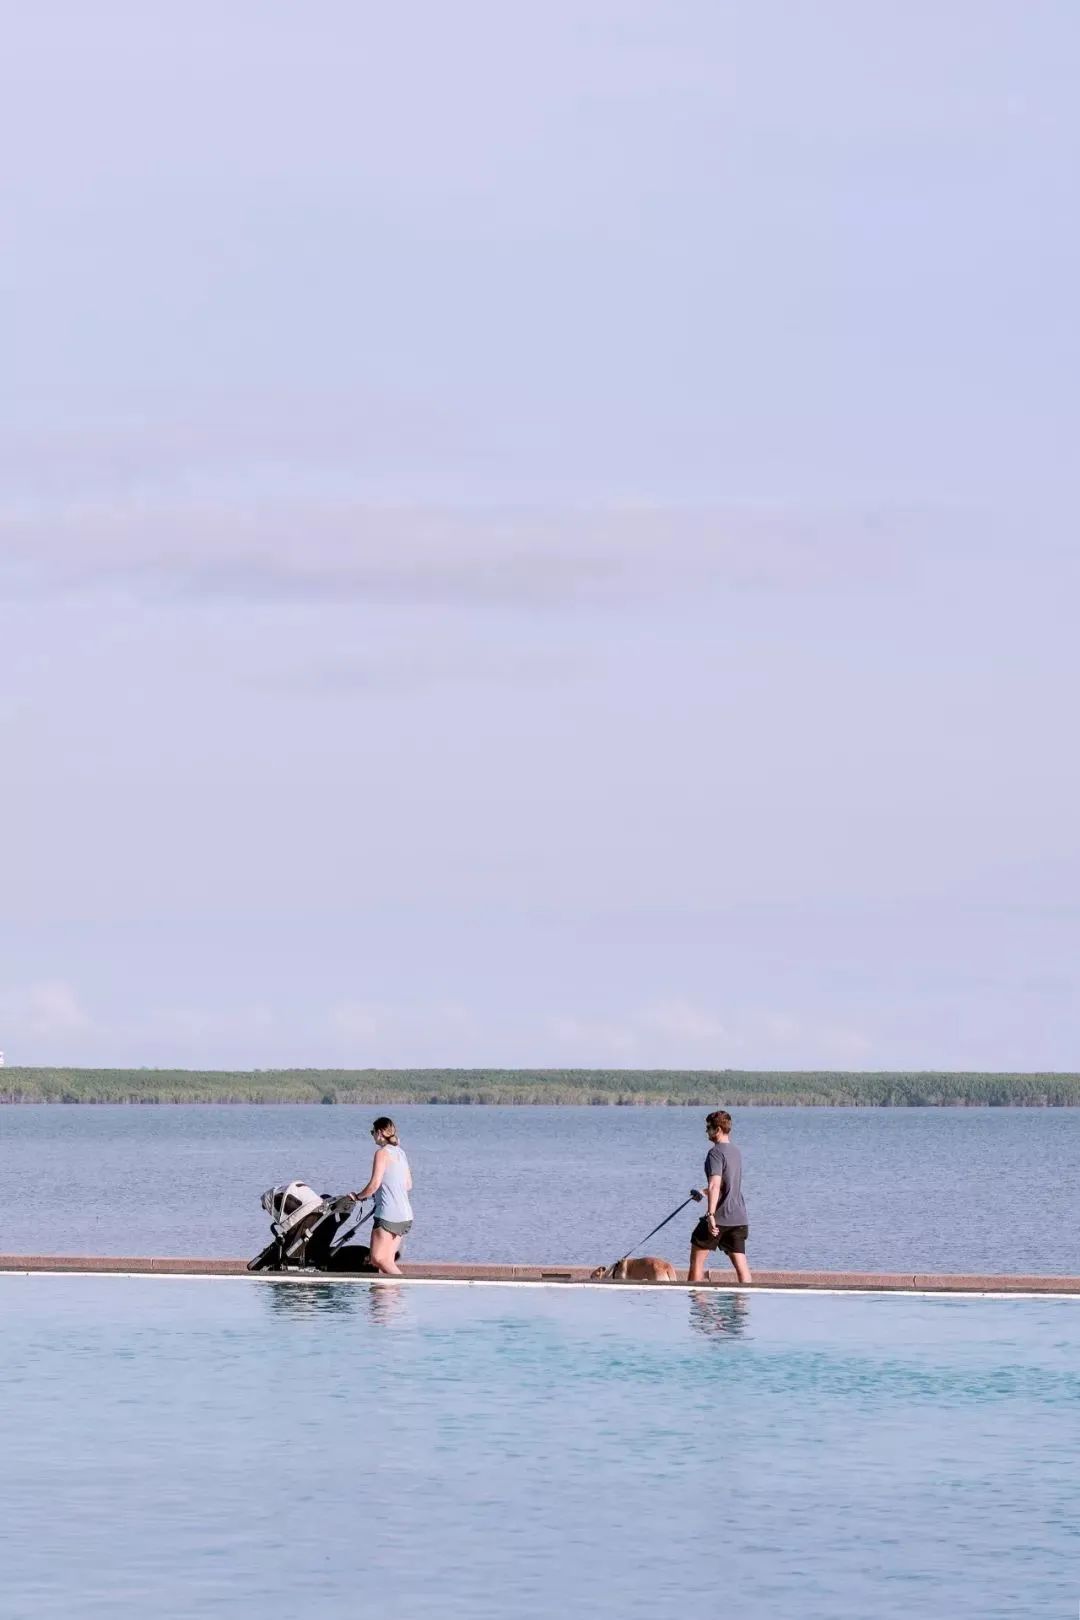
column 692, row 1199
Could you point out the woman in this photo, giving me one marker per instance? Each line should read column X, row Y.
column 390, row 1183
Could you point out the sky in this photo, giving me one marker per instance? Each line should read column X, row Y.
column 539, row 536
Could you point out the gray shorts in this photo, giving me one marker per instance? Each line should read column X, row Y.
column 396, row 1228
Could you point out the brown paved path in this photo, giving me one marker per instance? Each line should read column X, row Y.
column 853, row 1281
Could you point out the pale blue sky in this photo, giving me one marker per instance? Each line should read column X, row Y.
column 539, row 535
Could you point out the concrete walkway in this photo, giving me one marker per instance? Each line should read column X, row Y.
column 840, row 1281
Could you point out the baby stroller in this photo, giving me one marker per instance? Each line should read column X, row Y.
column 312, row 1231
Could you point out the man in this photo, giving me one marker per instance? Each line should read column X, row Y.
column 724, row 1224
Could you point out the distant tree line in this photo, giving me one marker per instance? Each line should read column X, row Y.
column 600, row 1087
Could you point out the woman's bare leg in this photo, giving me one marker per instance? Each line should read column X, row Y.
column 384, row 1252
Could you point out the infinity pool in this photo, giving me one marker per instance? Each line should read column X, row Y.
column 234, row 1448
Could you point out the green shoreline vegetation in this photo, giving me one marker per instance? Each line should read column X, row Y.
column 658, row 1087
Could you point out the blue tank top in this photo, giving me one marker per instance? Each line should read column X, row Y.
column 391, row 1199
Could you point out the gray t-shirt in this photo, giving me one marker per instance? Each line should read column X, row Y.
column 725, row 1161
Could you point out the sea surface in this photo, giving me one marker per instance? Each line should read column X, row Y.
column 861, row 1188
column 239, row 1448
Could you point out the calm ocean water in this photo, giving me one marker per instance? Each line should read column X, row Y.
column 236, row 1448
column 888, row 1189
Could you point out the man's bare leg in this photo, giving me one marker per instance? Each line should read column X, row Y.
column 698, row 1261
column 742, row 1270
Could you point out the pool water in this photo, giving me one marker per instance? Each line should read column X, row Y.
column 174, row 1447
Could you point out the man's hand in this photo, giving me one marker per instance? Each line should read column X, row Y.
column 696, row 1195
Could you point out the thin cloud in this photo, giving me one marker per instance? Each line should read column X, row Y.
column 404, row 671
column 674, row 1032
column 379, row 1034
column 316, row 553
column 41, row 1011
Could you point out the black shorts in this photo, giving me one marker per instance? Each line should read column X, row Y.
column 732, row 1239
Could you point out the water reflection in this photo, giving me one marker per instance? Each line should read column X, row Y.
column 304, row 1299
column 719, row 1315
column 382, row 1301
column 386, row 1302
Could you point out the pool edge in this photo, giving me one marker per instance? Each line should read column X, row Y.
column 787, row 1281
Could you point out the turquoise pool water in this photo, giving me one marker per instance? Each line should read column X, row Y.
column 233, row 1448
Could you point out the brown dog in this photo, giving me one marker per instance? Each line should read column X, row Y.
column 647, row 1269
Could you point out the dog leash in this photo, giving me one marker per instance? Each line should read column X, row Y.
column 693, row 1198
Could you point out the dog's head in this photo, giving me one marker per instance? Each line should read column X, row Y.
column 617, row 1272
column 599, row 1274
